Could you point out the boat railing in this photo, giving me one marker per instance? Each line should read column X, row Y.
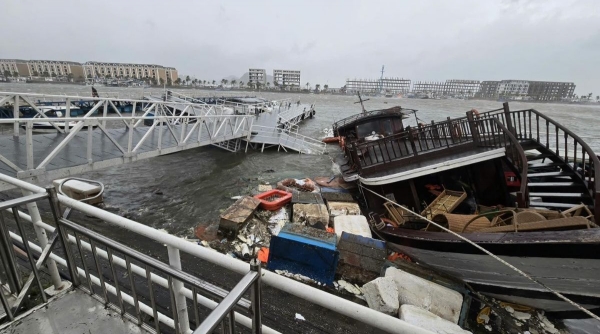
column 171, row 282
column 411, row 143
column 571, row 149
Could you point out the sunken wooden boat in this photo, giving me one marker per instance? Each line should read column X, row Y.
column 499, row 159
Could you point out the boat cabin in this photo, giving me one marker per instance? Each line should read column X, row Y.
column 371, row 125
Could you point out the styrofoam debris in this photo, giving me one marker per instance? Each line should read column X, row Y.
column 299, row 317
column 509, row 309
column 277, row 221
column 484, row 317
column 522, row 315
column 382, row 295
column 235, row 198
column 488, row 327
column 349, row 287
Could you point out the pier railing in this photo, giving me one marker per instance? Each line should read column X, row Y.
column 162, row 127
column 81, row 239
column 288, row 138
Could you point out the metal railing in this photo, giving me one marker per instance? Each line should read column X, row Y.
column 287, row 138
column 568, row 147
column 187, row 125
column 174, row 246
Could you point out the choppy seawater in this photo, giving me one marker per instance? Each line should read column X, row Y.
column 197, row 184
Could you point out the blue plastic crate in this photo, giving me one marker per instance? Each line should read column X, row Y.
column 306, row 251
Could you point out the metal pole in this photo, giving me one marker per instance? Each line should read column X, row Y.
column 40, row 232
column 55, row 208
column 16, row 116
column 180, row 300
column 255, row 296
column 8, row 260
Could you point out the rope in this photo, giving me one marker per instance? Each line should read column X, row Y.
column 558, row 294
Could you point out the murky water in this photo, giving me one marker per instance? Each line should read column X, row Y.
column 197, row 184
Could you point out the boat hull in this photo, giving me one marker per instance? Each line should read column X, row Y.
column 566, row 261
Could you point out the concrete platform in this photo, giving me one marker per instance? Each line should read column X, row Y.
column 75, row 312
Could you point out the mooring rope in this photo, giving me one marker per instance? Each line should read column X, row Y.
column 558, row 294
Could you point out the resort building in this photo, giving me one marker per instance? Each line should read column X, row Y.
column 428, row 87
column 257, row 75
column 488, row 90
column 386, row 85
column 550, row 90
column 526, row 89
column 287, row 78
column 94, row 69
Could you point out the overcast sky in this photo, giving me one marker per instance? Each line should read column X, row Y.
column 329, row 41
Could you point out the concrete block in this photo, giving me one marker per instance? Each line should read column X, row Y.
column 315, row 215
column 343, row 208
column 351, row 224
column 238, row 214
column 437, row 299
column 381, row 295
column 427, row 320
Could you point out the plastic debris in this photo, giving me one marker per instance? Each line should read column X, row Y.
column 263, row 255
column 509, row 309
column 522, row 315
column 299, row 317
column 488, row 327
column 484, row 315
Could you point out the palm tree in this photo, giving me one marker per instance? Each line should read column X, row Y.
column 214, row 82
column 268, row 85
column 308, row 86
column 15, row 74
column 233, row 83
column 45, row 74
column 204, row 82
column 597, row 97
column 225, row 81
column 317, row 87
column 240, row 84
column 6, row 73
column 187, row 79
column 325, row 87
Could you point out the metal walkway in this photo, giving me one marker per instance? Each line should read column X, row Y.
column 97, row 141
column 279, row 127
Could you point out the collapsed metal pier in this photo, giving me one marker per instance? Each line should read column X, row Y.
column 105, row 137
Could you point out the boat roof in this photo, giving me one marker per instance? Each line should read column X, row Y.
column 393, row 111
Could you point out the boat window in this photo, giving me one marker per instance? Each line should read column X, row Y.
column 366, row 129
column 387, row 127
column 398, row 127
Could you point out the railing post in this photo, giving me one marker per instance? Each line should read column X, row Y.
column 508, row 119
column 55, row 208
column 16, row 116
column 36, row 220
column 8, row 259
column 180, row 302
column 255, row 296
column 473, row 127
column 67, row 114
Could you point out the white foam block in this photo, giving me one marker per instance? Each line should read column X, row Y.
column 437, row 299
column 381, row 295
column 427, row 320
column 351, row 224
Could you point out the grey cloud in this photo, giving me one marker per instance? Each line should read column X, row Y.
column 329, row 41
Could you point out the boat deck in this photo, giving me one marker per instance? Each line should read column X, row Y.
column 74, row 312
